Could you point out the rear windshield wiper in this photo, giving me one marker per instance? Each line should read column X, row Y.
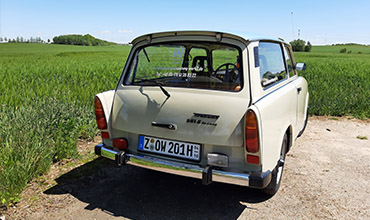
column 158, row 83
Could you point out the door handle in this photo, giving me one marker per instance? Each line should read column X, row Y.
column 299, row 89
column 162, row 125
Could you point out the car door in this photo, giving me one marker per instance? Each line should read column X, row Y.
column 278, row 104
column 301, row 86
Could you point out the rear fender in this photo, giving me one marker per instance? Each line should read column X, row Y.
column 270, row 154
column 106, row 99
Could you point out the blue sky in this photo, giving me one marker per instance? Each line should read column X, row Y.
column 319, row 21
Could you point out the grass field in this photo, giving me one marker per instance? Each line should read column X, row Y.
column 46, row 104
column 339, row 83
column 47, row 92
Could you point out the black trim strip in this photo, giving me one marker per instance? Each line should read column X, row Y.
column 274, row 90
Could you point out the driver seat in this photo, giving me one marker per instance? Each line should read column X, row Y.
column 200, row 62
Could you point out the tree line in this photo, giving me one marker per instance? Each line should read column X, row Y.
column 83, row 40
column 23, row 40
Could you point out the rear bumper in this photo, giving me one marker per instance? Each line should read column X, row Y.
column 207, row 174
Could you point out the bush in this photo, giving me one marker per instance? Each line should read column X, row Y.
column 344, row 50
column 308, row 47
column 300, row 46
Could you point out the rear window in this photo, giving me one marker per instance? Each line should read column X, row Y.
column 188, row 65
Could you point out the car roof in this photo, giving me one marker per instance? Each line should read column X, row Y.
column 241, row 36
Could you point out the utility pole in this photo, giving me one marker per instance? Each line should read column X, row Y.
column 0, row 17
column 299, row 34
column 292, row 25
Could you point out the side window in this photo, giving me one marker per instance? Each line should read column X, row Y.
column 288, row 61
column 271, row 62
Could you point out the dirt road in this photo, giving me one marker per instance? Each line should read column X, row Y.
column 326, row 177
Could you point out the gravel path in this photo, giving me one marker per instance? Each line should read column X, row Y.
column 326, row 177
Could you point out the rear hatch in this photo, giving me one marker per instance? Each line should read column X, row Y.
column 195, row 88
column 199, row 116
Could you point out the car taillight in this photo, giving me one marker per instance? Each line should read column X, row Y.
column 251, row 132
column 120, row 143
column 99, row 113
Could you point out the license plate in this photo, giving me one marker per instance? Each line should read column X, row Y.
column 178, row 149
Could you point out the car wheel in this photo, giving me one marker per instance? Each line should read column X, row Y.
column 277, row 173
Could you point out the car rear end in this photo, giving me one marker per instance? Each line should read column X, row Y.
column 181, row 106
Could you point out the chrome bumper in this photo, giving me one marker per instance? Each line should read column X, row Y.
column 207, row 174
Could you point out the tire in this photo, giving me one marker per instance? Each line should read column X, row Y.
column 277, row 173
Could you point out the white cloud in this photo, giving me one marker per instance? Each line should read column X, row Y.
column 125, row 31
column 105, row 32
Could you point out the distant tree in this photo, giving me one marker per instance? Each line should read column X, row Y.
column 344, row 50
column 308, row 47
column 301, row 46
column 5, row 39
column 48, row 40
column 298, row 45
column 1, row 39
column 84, row 40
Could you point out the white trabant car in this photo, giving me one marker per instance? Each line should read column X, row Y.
column 209, row 105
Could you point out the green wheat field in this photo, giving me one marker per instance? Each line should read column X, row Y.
column 47, row 93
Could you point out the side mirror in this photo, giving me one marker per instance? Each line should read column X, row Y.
column 300, row 66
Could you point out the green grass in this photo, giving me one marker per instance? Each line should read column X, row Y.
column 46, row 105
column 339, row 84
column 336, row 49
column 47, row 92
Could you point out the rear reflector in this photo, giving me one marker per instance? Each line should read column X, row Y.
column 253, row 159
column 120, row 143
column 251, row 132
column 99, row 113
column 105, row 135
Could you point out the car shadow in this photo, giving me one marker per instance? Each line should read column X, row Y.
column 139, row 193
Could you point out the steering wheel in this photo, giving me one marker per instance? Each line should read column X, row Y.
column 227, row 76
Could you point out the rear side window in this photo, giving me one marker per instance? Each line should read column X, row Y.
column 271, row 62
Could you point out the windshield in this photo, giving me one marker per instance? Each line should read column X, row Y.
column 190, row 65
